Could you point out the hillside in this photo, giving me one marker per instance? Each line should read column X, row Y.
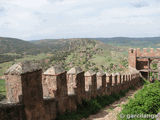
column 145, row 42
column 88, row 54
column 64, row 44
column 13, row 45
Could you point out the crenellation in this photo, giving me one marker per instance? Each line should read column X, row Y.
column 75, row 70
column 89, row 79
column 114, row 83
column 89, row 73
column 54, row 82
column 139, row 52
column 145, row 52
column 76, row 83
column 54, row 70
column 23, row 68
column 142, row 59
column 13, row 88
column 90, row 84
column 148, row 52
column 101, row 82
column 126, row 78
column 122, row 78
column 108, row 83
column 55, row 91
column 158, row 52
column 114, row 79
column 118, row 78
column 71, row 79
column 100, row 74
column 151, row 50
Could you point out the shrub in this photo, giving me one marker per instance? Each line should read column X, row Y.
column 146, row 101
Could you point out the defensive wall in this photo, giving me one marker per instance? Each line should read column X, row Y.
column 140, row 59
column 36, row 95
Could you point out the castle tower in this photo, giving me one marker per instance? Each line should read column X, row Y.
column 132, row 54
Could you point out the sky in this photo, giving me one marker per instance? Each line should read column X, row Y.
column 44, row 19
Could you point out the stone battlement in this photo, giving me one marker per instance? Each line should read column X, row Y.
column 141, row 59
column 145, row 52
column 33, row 95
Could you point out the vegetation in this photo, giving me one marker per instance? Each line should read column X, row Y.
column 7, row 58
column 2, row 89
column 12, row 45
column 146, row 101
column 91, row 107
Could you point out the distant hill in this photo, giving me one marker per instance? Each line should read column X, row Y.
column 132, row 42
column 13, row 45
column 114, row 41
column 71, row 44
column 21, row 47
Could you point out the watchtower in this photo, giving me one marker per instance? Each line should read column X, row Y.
column 141, row 60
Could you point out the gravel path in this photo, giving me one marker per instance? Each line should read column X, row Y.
column 111, row 112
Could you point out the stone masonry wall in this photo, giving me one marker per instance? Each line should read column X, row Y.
column 34, row 95
column 138, row 64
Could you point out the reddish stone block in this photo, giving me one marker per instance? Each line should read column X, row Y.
column 101, row 83
column 55, row 86
column 90, row 84
column 76, row 83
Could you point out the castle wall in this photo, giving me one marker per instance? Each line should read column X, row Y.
column 13, row 88
column 12, row 112
column 134, row 56
column 141, row 58
column 150, row 52
column 45, row 97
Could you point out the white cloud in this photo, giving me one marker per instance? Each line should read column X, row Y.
column 36, row 19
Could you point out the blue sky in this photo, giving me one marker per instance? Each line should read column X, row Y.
column 39, row 19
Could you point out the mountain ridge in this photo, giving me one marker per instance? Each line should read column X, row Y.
column 14, row 45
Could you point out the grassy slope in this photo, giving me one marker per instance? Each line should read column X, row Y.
column 99, row 57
